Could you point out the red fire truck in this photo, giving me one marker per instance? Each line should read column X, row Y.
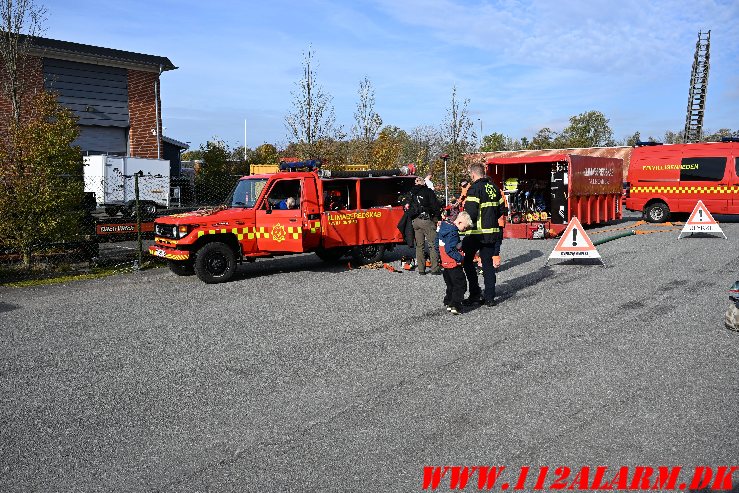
column 300, row 209
column 666, row 179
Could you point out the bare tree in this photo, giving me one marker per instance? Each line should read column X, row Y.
column 312, row 119
column 458, row 134
column 367, row 121
column 423, row 149
column 22, row 20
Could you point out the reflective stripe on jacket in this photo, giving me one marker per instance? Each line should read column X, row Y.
column 485, row 205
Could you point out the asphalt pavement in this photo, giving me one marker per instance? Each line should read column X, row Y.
column 300, row 376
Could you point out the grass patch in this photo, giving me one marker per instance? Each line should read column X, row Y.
column 22, row 278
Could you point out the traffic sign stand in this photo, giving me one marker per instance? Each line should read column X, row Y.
column 575, row 244
column 701, row 221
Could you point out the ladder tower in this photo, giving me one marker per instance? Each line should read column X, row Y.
column 698, row 86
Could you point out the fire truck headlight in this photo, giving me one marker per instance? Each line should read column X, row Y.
column 181, row 231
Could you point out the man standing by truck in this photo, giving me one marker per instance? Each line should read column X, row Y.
column 424, row 210
column 486, row 208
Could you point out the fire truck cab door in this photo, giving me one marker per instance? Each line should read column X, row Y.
column 279, row 218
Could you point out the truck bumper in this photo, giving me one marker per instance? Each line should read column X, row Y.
column 169, row 253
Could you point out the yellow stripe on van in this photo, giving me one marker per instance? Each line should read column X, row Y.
column 686, row 190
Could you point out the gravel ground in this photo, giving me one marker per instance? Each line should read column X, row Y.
column 304, row 377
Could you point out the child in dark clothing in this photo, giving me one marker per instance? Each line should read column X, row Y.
column 451, row 260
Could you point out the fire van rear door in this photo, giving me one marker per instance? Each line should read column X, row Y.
column 734, row 189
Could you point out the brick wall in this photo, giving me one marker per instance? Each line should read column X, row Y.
column 34, row 82
column 143, row 114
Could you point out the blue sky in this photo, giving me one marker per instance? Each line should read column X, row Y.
column 523, row 65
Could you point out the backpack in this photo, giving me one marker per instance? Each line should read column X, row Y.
column 417, row 207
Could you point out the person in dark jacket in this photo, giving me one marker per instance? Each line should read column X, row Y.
column 451, row 260
column 424, row 210
column 486, row 207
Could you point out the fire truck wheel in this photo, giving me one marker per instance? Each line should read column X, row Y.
column 331, row 254
column 367, row 254
column 657, row 212
column 215, row 263
column 181, row 268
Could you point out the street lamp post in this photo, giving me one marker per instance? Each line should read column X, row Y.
column 445, row 158
column 479, row 148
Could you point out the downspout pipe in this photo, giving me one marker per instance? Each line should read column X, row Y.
column 156, row 109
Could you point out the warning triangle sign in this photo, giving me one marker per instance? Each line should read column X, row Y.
column 574, row 243
column 701, row 221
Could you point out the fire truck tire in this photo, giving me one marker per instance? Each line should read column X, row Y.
column 367, row 254
column 215, row 263
column 657, row 212
column 331, row 254
column 181, row 268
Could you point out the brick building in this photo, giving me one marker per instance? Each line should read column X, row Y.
column 114, row 93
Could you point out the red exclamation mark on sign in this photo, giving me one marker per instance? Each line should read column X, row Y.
column 574, row 237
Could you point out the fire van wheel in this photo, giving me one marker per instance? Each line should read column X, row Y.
column 367, row 254
column 657, row 212
column 181, row 268
column 215, row 263
column 331, row 255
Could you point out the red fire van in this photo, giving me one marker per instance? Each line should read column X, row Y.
column 666, row 179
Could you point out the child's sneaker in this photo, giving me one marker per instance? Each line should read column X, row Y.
column 455, row 310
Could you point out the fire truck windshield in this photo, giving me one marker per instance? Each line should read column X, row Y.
column 247, row 192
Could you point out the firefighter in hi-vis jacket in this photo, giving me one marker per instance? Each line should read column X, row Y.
column 486, row 207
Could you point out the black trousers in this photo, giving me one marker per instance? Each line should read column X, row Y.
column 471, row 245
column 456, row 285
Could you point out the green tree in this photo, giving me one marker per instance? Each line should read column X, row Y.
column 312, row 119
column 632, row 140
column 495, row 142
column 214, row 181
column 544, row 139
column 673, row 137
column 720, row 134
column 193, row 155
column 41, row 186
column 589, row 129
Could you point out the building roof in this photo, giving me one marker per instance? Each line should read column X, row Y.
column 176, row 143
column 615, row 152
column 77, row 52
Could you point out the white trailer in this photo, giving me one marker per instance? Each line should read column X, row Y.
column 111, row 180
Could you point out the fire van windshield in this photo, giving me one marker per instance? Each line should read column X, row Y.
column 246, row 192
